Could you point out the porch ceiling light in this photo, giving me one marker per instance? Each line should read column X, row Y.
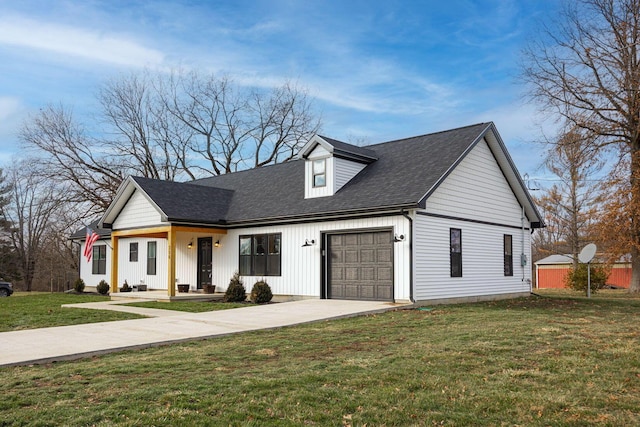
column 308, row 242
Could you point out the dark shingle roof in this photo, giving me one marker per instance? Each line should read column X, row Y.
column 187, row 201
column 350, row 150
column 81, row 234
column 404, row 172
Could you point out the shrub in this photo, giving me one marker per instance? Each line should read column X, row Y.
column 577, row 278
column 261, row 292
column 103, row 287
column 235, row 291
column 78, row 286
column 125, row 287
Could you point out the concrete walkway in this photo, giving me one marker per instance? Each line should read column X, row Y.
column 74, row 342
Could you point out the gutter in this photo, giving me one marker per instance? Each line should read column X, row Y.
column 406, row 215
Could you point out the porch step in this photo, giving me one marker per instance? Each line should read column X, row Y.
column 163, row 297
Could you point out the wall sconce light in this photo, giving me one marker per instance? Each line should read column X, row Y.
column 308, row 242
column 217, row 244
column 397, row 238
column 190, row 245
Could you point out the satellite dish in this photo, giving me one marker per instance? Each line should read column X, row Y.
column 587, row 253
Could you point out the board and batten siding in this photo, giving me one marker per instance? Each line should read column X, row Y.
column 138, row 212
column 343, row 171
column 135, row 273
column 476, row 189
column 301, row 266
column 86, row 267
column 477, row 199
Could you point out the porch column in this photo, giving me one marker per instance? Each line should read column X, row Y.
column 171, row 264
column 114, row 263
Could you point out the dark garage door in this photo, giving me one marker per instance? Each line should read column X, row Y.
column 361, row 266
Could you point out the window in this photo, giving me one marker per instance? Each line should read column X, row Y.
column 319, row 173
column 99, row 259
column 133, row 252
column 151, row 258
column 260, row 255
column 455, row 244
column 508, row 255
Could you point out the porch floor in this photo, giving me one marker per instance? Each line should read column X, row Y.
column 161, row 295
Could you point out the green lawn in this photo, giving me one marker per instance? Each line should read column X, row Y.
column 538, row 361
column 24, row 310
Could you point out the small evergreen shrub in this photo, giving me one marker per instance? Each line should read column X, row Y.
column 236, row 291
column 261, row 292
column 578, row 281
column 103, row 287
column 78, row 286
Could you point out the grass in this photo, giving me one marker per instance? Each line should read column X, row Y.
column 190, row 306
column 25, row 310
column 562, row 361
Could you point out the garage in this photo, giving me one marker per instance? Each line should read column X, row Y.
column 360, row 266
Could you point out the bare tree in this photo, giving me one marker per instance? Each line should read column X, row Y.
column 587, row 70
column 141, row 134
column 574, row 202
column 65, row 154
column 175, row 127
column 33, row 202
column 237, row 128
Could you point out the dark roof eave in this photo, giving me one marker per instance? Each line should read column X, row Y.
column 323, row 215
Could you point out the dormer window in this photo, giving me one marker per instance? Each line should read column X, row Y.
column 319, row 173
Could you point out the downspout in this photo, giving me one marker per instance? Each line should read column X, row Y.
column 406, row 215
column 523, row 256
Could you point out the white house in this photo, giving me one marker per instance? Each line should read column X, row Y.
column 438, row 217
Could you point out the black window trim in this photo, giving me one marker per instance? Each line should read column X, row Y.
column 272, row 263
column 508, row 255
column 152, row 263
column 455, row 257
column 98, row 262
column 133, row 254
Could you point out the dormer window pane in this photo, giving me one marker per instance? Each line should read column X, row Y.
column 319, row 175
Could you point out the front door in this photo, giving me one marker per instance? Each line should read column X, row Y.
column 204, row 261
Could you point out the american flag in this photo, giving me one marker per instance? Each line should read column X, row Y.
column 92, row 237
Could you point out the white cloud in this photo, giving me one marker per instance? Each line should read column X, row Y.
column 80, row 42
column 8, row 107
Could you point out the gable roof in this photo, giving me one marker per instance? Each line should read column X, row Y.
column 339, row 149
column 401, row 174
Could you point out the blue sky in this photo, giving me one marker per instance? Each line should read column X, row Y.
column 378, row 70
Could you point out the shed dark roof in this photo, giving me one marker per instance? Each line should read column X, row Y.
column 350, row 150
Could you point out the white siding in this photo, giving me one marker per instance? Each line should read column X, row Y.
column 138, row 212
column 136, row 272
column 86, row 267
column 318, row 152
column 344, row 170
column 309, row 190
column 476, row 189
column 301, row 266
column 482, row 260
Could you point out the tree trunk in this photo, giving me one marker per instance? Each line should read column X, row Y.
column 634, row 286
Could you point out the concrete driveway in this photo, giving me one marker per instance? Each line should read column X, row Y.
column 74, row 342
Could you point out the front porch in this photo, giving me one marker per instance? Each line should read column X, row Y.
column 162, row 296
column 187, row 252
